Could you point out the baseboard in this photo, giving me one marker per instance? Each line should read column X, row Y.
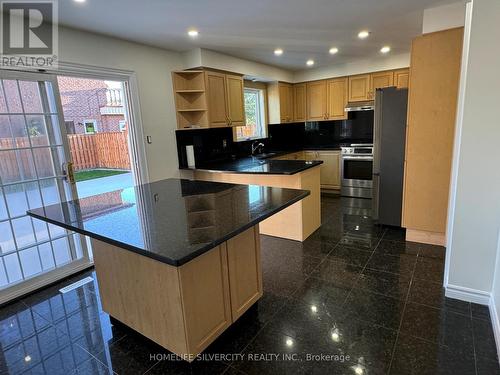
column 495, row 322
column 422, row 236
column 467, row 294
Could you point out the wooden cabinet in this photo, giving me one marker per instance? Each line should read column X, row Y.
column 337, row 92
column 299, row 102
column 316, row 93
column 330, row 169
column 208, row 99
column 216, row 98
column 235, row 100
column 432, row 103
column 359, row 87
column 402, row 78
column 245, row 275
column 380, row 80
column 280, row 102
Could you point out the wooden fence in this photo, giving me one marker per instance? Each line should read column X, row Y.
column 101, row 150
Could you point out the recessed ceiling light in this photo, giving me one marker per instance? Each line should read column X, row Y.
column 278, row 52
column 363, row 34
column 310, row 62
column 193, row 33
column 79, row 1
column 385, row 49
column 333, row 50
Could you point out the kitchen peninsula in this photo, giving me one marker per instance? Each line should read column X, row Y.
column 296, row 222
column 176, row 260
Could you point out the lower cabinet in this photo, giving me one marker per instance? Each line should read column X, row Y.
column 330, row 169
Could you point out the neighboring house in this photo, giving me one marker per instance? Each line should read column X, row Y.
column 91, row 106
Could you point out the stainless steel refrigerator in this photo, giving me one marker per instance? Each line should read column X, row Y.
column 389, row 135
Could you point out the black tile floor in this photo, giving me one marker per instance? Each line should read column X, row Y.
column 353, row 290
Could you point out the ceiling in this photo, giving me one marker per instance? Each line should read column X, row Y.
column 252, row 29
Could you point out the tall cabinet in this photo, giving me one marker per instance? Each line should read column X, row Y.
column 432, row 104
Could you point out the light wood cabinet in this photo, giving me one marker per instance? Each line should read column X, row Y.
column 299, row 102
column 432, row 104
column 190, row 99
column 316, row 93
column 337, row 92
column 402, row 78
column 359, row 87
column 380, row 80
column 280, row 100
column 235, row 100
column 217, row 101
column 329, row 170
column 245, row 275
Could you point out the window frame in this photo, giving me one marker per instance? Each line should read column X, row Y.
column 261, row 118
column 85, row 122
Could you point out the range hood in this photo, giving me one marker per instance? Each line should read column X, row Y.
column 360, row 106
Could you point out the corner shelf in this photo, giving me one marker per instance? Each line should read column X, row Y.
column 190, row 99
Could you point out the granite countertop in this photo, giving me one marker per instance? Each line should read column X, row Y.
column 259, row 166
column 171, row 220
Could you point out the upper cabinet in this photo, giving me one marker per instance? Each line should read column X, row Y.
column 205, row 98
column 402, row 78
column 316, row 102
column 235, row 100
column 380, row 80
column 337, row 92
column 280, row 97
column 359, row 87
column 299, row 102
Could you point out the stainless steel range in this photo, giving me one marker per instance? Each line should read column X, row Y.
column 356, row 171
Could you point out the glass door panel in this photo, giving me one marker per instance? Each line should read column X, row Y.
column 33, row 148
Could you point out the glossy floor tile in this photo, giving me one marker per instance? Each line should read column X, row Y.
column 354, row 298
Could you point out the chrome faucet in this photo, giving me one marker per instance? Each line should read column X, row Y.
column 255, row 146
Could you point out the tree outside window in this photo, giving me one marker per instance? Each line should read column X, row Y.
column 254, row 116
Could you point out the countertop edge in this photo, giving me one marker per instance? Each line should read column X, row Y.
column 184, row 260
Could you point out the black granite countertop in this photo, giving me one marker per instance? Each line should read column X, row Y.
column 260, row 166
column 171, row 220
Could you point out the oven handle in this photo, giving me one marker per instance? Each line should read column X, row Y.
column 357, row 157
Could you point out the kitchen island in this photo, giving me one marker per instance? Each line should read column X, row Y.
column 296, row 222
column 176, row 260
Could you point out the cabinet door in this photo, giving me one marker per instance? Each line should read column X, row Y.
column 316, row 100
column 235, row 100
column 401, row 78
column 337, row 98
column 380, row 80
column 299, row 102
column 216, row 99
column 286, row 102
column 311, row 155
column 359, row 87
column 245, row 274
column 330, row 169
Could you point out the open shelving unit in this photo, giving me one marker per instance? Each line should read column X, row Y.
column 190, row 99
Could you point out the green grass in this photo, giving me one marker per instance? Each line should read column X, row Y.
column 96, row 173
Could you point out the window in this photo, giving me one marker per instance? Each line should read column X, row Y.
column 122, row 124
column 90, row 126
column 254, row 113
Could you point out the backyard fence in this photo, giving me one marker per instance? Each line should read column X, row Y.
column 101, row 150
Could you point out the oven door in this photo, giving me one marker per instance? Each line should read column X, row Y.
column 357, row 171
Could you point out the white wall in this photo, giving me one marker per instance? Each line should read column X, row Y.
column 352, row 68
column 216, row 60
column 153, row 67
column 474, row 218
column 443, row 17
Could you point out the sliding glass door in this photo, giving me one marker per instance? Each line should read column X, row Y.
column 33, row 155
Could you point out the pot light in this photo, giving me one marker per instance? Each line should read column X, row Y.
column 333, row 50
column 79, row 1
column 385, row 49
column 193, row 33
column 27, row 358
column 278, row 52
column 310, row 62
column 363, row 34
column 289, row 342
